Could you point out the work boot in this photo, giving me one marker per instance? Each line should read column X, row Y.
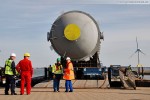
column 13, row 93
column 6, row 93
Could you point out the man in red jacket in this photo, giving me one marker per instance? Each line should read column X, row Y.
column 25, row 69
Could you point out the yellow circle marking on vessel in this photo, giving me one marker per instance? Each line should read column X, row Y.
column 72, row 32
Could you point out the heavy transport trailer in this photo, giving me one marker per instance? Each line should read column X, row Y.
column 76, row 34
column 79, row 67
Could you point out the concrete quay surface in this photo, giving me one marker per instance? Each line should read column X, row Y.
column 142, row 93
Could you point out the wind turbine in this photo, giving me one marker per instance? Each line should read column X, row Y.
column 138, row 51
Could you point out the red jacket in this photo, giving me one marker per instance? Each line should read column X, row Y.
column 25, row 65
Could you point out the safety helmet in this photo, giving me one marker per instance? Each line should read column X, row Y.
column 13, row 55
column 68, row 58
column 26, row 55
column 58, row 59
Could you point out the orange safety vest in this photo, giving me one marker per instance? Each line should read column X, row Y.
column 69, row 72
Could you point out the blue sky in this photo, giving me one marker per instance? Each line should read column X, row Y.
column 24, row 26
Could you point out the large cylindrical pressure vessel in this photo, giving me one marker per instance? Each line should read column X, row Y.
column 75, row 34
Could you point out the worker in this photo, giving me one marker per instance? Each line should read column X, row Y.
column 68, row 75
column 50, row 72
column 142, row 72
column 10, row 73
column 24, row 67
column 129, row 68
column 57, row 71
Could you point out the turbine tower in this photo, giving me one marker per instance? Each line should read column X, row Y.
column 138, row 51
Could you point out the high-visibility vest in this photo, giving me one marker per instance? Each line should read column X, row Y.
column 129, row 68
column 57, row 69
column 8, row 69
column 69, row 72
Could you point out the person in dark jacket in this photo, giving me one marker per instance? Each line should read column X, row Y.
column 10, row 73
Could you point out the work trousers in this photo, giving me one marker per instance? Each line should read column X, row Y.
column 10, row 83
column 56, row 82
column 68, row 85
column 50, row 75
column 25, row 79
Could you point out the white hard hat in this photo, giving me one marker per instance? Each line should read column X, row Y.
column 68, row 58
column 13, row 54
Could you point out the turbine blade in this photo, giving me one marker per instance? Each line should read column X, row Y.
column 133, row 54
column 142, row 52
column 137, row 43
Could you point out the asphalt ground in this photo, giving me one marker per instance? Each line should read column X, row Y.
column 141, row 93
